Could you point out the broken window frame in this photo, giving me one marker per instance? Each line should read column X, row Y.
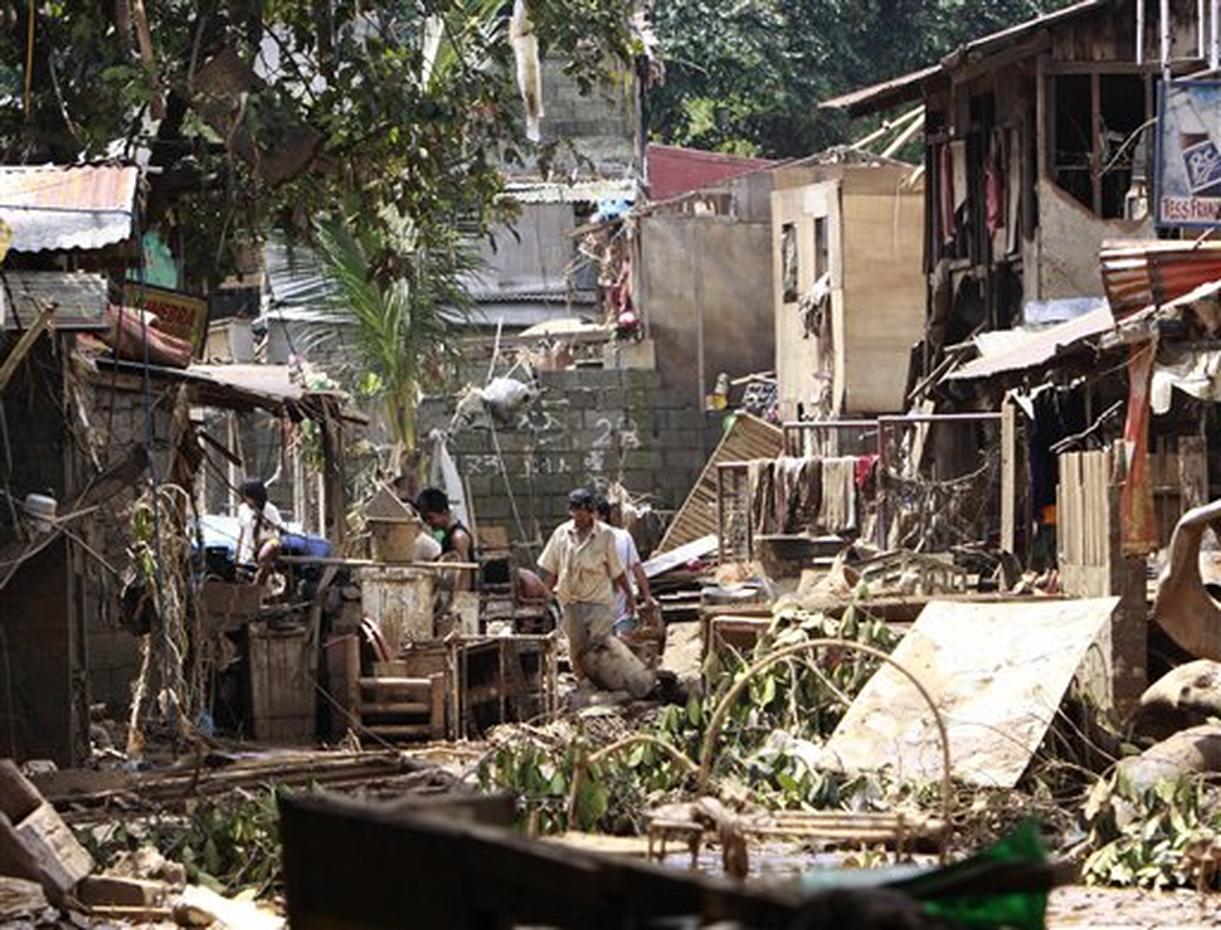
column 1098, row 163
column 790, row 279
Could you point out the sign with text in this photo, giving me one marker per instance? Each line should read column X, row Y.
column 1189, row 154
column 182, row 315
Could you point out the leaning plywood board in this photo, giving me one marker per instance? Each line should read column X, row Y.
column 997, row 673
column 748, row 438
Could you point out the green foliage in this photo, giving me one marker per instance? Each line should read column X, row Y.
column 424, row 141
column 767, row 750
column 230, row 844
column 1148, row 838
column 404, row 295
column 746, row 76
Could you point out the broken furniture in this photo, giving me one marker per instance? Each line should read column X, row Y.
column 901, row 831
column 503, row 679
column 454, row 688
column 393, row 705
column 400, row 599
column 1183, row 607
column 912, row 573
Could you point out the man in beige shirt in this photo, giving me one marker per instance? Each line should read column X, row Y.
column 581, row 565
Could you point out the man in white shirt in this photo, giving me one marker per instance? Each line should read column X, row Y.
column 260, row 527
column 629, row 557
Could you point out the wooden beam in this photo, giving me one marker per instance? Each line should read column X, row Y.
column 9, row 366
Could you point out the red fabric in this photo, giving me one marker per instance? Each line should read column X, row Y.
column 865, row 465
column 945, row 210
column 994, row 188
column 1139, row 523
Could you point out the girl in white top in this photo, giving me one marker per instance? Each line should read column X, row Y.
column 261, row 524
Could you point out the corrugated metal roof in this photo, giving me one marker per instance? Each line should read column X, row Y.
column 52, row 208
column 906, row 87
column 1031, row 348
column 1140, row 274
column 80, row 298
column 748, row 438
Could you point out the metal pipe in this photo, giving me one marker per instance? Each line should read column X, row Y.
column 1200, row 40
column 1164, row 34
column 1140, row 32
column 1214, row 46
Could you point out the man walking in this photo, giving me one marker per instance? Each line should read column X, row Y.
column 625, row 546
column 581, row 565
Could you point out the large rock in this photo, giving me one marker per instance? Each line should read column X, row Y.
column 1192, row 752
column 1185, row 697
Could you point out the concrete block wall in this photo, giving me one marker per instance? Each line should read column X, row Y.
column 589, row 428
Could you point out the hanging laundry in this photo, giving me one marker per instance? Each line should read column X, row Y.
column 945, row 205
column 866, row 472
column 958, row 160
column 798, row 489
column 838, row 506
column 994, row 184
column 760, row 494
column 529, row 69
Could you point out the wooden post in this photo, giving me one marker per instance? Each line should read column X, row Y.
column 436, row 690
column 1008, row 476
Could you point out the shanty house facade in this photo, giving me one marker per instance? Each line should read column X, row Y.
column 1038, row 141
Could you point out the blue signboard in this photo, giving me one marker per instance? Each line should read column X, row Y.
column 1188, row 191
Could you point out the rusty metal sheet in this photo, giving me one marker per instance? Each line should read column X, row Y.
column 748, row 438
column 51, row 208
column 1141, row 274
column 997, row 673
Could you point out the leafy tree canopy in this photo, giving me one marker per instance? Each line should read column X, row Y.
column 746, row 76
column 262, row 113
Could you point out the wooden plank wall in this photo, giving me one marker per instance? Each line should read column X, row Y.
column 1092, row 564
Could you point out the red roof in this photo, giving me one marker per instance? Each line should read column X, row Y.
column 674, row 170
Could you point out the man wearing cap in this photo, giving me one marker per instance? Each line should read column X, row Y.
column 581, row 565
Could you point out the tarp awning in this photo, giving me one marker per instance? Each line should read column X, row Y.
column 1026, row 349
column 274, row 388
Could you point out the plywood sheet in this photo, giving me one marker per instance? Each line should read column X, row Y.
column 748, row 438
column 997, row 673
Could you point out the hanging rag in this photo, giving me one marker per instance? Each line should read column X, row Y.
column 529, row 70
column 759, row 479
column 1137, row 517
column 958, row 162
column 798, row 493
column 945, row 205
column 866, row 467
column 838, row 508
column 443, row 473
column 994, row 185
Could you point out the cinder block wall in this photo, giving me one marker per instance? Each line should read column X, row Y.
column 590, row 428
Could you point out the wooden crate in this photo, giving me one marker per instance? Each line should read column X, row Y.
column 282, row 666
